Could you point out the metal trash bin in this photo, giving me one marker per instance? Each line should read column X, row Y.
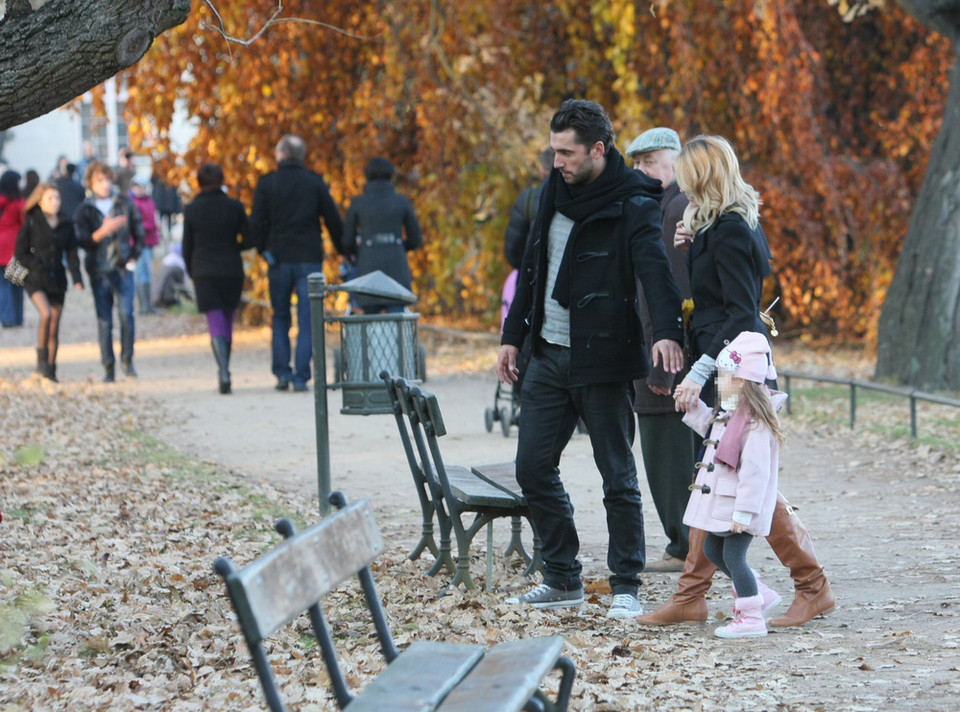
column 369, row 344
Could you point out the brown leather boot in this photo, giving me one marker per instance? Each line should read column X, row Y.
column 688, row 603
column 791, row 543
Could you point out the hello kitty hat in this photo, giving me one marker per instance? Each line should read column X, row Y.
column 748, row 357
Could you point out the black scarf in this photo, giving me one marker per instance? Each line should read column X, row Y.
column 615, row 184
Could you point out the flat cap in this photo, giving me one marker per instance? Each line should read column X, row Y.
column 654, row 140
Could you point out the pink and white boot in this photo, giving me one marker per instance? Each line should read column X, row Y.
column 770, row 597
column 747, row 619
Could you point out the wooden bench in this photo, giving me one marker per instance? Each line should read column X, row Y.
column 294, row 577
column 454, row 493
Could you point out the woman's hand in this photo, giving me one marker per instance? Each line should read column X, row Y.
column 738, row 528
column 686, row 395
column 682, row 237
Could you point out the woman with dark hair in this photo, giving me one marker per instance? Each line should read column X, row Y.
column 211, row 250
column 374, row 234
column 46, row 235
column 11, row 218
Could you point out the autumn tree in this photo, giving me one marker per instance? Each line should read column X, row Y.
column 52, row 52
column 828, row 117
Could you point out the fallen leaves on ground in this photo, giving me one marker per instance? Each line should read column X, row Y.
column 108, row 600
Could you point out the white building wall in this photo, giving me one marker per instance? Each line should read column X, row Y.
column 38, row 144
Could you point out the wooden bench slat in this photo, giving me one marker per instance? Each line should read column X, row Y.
column 507, row 676
column 301, row 575
column 419, row 679
column 502, row 475
column 474, row 491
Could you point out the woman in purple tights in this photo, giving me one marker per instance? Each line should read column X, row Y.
column 215, row 231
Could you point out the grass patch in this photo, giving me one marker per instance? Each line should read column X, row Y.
column 883, row 414
column 152, row 451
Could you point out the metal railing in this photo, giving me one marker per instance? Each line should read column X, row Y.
column 912, row 394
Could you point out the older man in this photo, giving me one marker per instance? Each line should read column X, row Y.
column 667, row 445
column 288, row 205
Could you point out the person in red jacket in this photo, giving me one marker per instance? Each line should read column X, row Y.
column 11, row 218
column 151, row 238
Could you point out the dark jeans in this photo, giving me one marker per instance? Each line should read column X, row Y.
column 287, row 279
column 666, row 446
column 552, row 405
column 118, row 285
column 11, row 302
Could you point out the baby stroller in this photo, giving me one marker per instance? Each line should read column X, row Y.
column 506, row 399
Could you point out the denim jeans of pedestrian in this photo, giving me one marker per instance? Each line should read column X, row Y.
column 116, row 286
column 287, row 279
column 552, row 406
column 144, row 270
column 11, row 302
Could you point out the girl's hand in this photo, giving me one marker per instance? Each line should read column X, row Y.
column 686, row 395
column 738, row 528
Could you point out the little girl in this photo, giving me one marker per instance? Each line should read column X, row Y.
column 735, row 491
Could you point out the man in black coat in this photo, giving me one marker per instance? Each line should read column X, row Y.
column 597, row 232
column 288, row 205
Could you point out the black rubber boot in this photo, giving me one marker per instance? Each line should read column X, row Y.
column 221, row 351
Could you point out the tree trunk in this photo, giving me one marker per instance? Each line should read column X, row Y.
column 52, row 51
column 919, row 331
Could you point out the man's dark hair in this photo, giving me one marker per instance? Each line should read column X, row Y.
column 589, row 121
column 378, row 169
column 210, row 176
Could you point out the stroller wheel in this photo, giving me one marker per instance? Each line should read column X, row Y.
column 488, row 419
column 505, row 421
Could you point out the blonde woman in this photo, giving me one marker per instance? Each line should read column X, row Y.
column 44, row 238
column 728, row 257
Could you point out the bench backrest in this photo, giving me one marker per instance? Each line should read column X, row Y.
column 292, row 579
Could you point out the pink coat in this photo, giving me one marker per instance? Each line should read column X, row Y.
column 752, row 487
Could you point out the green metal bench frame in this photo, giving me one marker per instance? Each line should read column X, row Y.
column 454, row 493
column 294, row 577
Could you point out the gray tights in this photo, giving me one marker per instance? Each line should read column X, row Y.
column 729, row 554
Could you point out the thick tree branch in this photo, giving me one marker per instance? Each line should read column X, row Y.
column 53, row 51
column 941, row 16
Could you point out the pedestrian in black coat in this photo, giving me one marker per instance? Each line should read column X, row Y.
column 380, row 229
column 45, row 237
column 215, row 231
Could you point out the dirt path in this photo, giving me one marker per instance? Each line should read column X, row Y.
column 884, row 519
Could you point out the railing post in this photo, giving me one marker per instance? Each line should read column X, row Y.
column 913, row 415
column 853, row 404
column 317, row 289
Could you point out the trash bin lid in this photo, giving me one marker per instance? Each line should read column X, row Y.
column 377, row 284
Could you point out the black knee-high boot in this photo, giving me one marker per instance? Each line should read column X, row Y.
column 221, row 351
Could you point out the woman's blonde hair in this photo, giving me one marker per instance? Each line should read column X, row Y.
column 755, row 397
column 37, row 195
column 709, row 173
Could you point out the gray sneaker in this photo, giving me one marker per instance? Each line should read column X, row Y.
column 544, row 596
column 625, row 605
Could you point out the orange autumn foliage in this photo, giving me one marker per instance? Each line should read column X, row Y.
column 832, row 120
